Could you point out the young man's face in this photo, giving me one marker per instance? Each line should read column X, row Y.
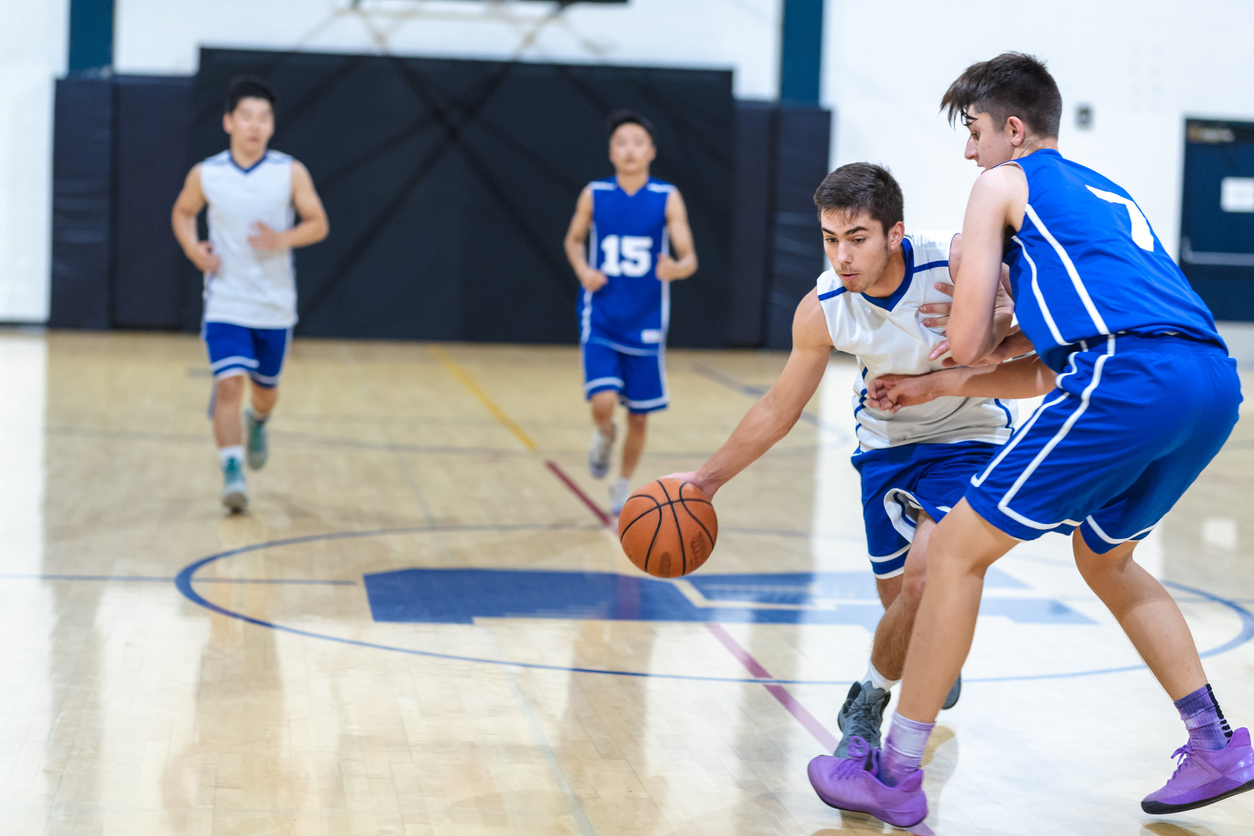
column 988, row 145
column 631, row 149
column 858, row 248
column 251, row 124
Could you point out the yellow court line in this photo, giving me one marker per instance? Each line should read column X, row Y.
column 469, row 382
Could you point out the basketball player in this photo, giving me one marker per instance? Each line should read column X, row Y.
column 250, row 286
column 1145, row 396
column 878, row 303
column 629, row 224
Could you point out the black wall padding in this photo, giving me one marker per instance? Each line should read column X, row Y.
column 803, row 139
column 81, row 183
column 154, row 285
column 449, row 186
column 755, row 195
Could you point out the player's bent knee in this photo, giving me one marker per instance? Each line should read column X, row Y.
column 230, row 389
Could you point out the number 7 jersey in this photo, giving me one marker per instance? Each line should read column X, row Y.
column 628, row 235
column 1086, row 263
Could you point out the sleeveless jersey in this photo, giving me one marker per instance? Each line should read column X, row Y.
column 628, row 235
column 888, row 337
column 1086, row 264
column 252, row 288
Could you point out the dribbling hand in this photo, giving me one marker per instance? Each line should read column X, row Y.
column 692, row 478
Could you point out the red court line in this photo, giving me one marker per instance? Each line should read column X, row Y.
column 577, row 491
column 779, row 692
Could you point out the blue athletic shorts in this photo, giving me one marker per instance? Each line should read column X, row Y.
column 639, row 379
column 899, row 480
column 256, row 352
column 1133, row 422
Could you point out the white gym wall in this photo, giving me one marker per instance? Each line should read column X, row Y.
column 1142, row 67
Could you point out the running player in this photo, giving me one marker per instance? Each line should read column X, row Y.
column 629, row 224
column 1146, row 396
column 250, row 285
column 883, row 301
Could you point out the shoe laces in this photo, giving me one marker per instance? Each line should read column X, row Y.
column 860, row 757
column 862, row 710
column 1182, row 758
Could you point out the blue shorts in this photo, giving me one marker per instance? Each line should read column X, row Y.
column 639, row 379
column 1133, row 422
column 897, row 482
column 256, row 352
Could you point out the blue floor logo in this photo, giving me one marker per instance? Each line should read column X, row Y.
column 459, row 596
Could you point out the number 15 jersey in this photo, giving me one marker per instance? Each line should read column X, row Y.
column 1086, row 264
column 628, row 235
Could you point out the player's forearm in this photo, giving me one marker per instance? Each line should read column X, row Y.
column 761, row 428
column 184, row 226
column 574, row 254
column 307, row 232
column 686, row 266
column 1026, row 377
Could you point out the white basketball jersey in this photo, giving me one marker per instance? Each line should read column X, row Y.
column 252, row 288
column 888, row 337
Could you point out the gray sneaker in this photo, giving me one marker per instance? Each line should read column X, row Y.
column 862, row 715
column 619, row 493
column 258, row 449
column 234, row 490
column 599, row 454
column 954, row 693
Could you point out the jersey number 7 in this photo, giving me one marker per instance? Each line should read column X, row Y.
column 1141, row 234
column 628, row 255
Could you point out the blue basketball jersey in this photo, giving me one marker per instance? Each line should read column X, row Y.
column 1086, row 264
column 628, row 235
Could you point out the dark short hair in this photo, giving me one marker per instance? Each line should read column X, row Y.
column 862, row 187
column 629, row 117
column 248, row 87
column 1012, row 84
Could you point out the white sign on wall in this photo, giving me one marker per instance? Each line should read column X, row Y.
column 1236, row 194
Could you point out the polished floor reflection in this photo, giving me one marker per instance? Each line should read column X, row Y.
column 424, row 627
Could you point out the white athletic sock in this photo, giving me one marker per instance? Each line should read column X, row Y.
column 877, row 679
column 225, row 454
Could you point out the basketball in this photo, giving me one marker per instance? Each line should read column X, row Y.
column 668, row 528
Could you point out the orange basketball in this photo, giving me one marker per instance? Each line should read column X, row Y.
column 668, row 528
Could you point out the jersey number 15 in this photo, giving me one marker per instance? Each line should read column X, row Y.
column 627, row 255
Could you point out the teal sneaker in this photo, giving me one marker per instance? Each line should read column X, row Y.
column 234, row 489
column 258, row 448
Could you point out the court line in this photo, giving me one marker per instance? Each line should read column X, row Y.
column 186, row 577
column 577, row 491
column 154, row 579
column 466, row 380
column 779, row 692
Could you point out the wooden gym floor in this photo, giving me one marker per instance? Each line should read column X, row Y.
column 423, row 626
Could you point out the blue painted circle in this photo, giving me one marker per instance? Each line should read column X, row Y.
column 183, row 581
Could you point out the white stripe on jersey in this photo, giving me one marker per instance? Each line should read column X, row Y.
column 895, row 341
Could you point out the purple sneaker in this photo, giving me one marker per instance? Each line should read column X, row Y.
column 851, row 783
column 1205, row 776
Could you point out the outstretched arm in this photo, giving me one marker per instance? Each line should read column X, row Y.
column 1026, row 377
column 777, row 411
column 671, row 269
column 313, row 226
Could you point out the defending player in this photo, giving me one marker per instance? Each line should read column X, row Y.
column 629, row 223
column 1146, row 396
column 878, row 302
column 250, row 285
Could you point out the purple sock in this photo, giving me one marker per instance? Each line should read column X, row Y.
column 1201, row 715
column 903, row 749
